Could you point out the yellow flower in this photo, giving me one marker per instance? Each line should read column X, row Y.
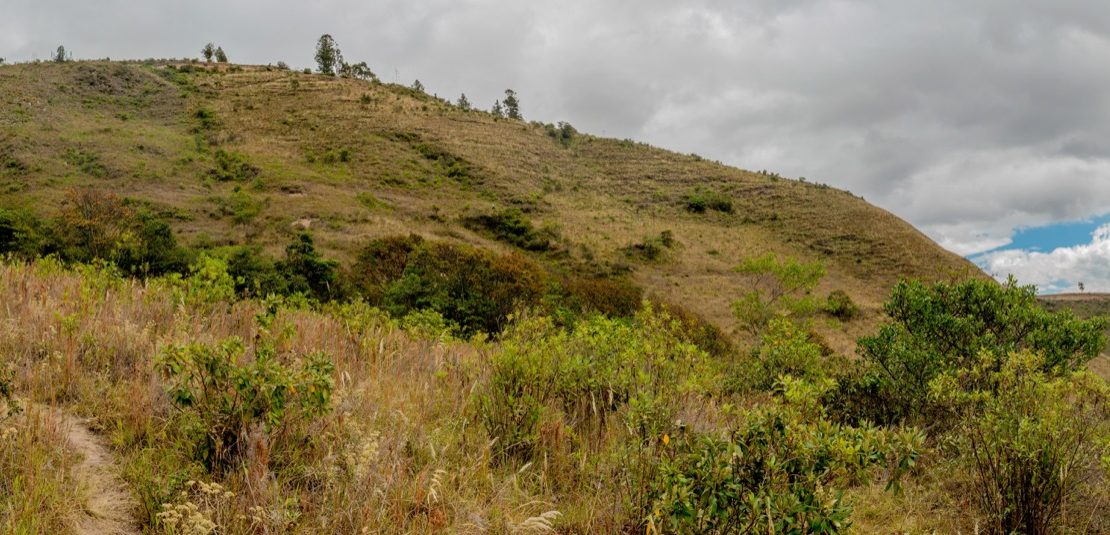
column 666, row 439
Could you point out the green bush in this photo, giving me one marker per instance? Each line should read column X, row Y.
column 307, row 272
column 232, row 166
column 840, row 305
column 700, row 201
column 588, row 374
column 941, row 328
column 1030, row 438
column 22, row 234
column 652, row 248
column 229, row 394
column 784, row 349
column 511, row 226
column 473, row 289
column 779, row 472
column 778, row 289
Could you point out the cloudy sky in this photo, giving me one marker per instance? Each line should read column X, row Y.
column 979, row 122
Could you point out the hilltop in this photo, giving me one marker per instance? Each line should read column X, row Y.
column 248, row 154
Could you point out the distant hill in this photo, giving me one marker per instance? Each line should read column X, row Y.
column 237, row 154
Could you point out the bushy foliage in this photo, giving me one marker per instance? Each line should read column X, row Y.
column 307, row 272
column 700, row 201
column 328, row 56
column 942, row 328
column 651, row 248
column 840, row 305
column 778, row 289
column 95, row 225
column 232, row 166
column 1031, row 438
column 778, row 472
column 614, row 297
column 784, row 349
column 511, row 226
column 379, row 263
column 588, row 373
column 474, row 289
column 231, row 393
column 563, row 133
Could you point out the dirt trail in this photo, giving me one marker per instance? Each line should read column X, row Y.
column 110, row 506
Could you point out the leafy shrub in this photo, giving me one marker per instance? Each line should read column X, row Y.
column 22, row 234
column 697, row 330
column 587, row 373
column 652, row 248
column 97, row 225
column 206, row 119
column 784, row 349
column 614, row 297
column 1030, row 438
column 240, row 206
column 943, row 327
column 474, row 289
column 778, row 289
column 306, row 271
column 379, row 263
column 699, row 201
column 512, row 227
column 779, row 471
column 840, row 305
column 230, row 394
column 563, row 133
column 255, row 274
column 232, row 166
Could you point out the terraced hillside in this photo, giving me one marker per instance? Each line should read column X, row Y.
column 250, row 154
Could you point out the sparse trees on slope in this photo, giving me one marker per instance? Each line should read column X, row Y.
column 328, row 57
column 209, row 51
column 221, row 56
column 60, row 55
column 512, row 105
column 464, row 103
column 497, row 110
column 417, row 86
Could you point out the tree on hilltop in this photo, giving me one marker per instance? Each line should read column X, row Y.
column 208, row 52
column 464, row 103
column 328, row 57
column 221, row 56
column 512, row 105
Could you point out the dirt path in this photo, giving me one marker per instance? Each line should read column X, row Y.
column 110, row 506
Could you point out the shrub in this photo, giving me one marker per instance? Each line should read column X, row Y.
column 379, row 263
column 230, row 395
column 652, row 248
column 512, row 227
column 22, row 234
column 699, row 201
column 563, row 133
column 255, row 274
column 588, row 374
column 472, row 288
column 87, row 162
column 232, row 166
column 840, row 305
column 1030, row 438
column 306, row 271
column 778, row 471
column 778, row 289
column 784, row 349
column 614, row 297
column 942, row 328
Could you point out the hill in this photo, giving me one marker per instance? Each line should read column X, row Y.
column 238, row 154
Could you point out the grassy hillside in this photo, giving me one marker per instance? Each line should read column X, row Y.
column 350, row 160
column 479, row 359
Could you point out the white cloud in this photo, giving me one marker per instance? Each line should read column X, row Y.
column 1060, row 270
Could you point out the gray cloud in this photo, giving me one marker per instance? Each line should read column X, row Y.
column 967, row 118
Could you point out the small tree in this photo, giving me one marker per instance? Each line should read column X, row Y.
column 464, row 103
column 60, row 55
column 328, row 57
column 221, row 56
column 209, row 51
column 417, row 86
column 512, row 105
column 1081, row 286
column 497, row 110
column 779, row 289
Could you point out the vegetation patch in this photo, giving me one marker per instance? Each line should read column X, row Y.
column 511, row 226
column 700, row 201
column 232, row 166
column 87, row 162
